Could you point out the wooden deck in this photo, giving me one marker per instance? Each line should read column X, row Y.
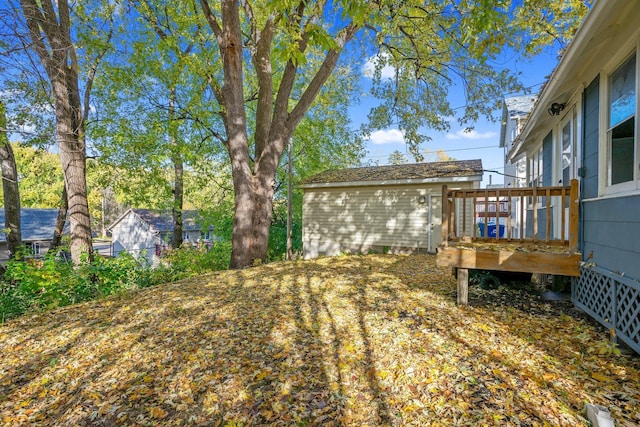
column 558, row 263
column 543, row 237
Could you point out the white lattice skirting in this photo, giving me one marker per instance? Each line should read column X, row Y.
column 612, row 300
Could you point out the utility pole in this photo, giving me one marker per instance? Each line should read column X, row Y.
column 289, row 198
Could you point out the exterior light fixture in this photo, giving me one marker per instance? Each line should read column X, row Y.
column 555, row 109
column 422, row 199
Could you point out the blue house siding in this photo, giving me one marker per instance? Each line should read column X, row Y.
column 608, row 287
column 610, row 227
column 611, row 232
column 591, row 117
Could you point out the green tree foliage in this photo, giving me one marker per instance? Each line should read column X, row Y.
column 62, row 45
column 291, row 49
column 41, row 178
column 154, row 104
column 397, row 158
column 192, row 79
column 431, row 46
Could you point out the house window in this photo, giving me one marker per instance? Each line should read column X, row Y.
column 35, row 248
column 185, row 235
column 534, row 178
column 622, row 123
column 535, row 169
column 205, row 235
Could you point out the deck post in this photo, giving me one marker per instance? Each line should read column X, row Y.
column 463, row 286
column 573, row 216
column 444, row 221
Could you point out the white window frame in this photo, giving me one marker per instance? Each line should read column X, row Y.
column 604, row 153
column 535, row 168
column 570, row 119
column 573, row 119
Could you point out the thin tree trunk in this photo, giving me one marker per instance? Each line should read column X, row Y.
column 289, row 199
column 178, row 197
column 10, row 189
column 61, row 219
column 178, row 171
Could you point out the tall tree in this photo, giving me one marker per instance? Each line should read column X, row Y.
column 11, row 194
column 50, row 29
column 428, row 44
column 397, row 158
column 154, row 101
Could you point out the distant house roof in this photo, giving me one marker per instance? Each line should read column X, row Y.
column 520, row 106
column 515, row 107
column 162, row 221
column 35, row 224
column 399, row 174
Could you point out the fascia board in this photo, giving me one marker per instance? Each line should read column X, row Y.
column 438, row 180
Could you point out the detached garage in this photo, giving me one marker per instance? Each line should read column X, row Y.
column 393, row 209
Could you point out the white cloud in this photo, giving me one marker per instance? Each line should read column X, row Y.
column 390, row 136
column 369, row 67
column 471, row 134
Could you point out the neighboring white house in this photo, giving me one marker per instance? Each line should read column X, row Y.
column 584, row 126
column 37, row 227
column 144, row 232
column 515, row 111
column 393, row 208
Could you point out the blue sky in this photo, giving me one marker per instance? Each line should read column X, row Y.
column 482, row 142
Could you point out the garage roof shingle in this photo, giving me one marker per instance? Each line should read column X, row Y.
column 451, row 169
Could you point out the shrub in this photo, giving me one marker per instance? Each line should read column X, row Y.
column 190, row 261
column 31, row 285
column 34, row 285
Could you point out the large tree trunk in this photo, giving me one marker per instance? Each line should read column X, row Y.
column 51, row 36
column 70, row 136
column 10, row 189
column 252, row 219
column 275, row 120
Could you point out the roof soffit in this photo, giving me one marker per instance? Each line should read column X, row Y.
column 583, row 59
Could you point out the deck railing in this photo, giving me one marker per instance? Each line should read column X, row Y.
column 528, row 215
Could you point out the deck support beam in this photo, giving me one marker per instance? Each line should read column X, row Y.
column 463, row 286
column 562, row 264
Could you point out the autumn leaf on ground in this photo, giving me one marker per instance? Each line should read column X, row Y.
column 354, row 340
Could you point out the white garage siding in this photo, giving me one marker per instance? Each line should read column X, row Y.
column 392, row 218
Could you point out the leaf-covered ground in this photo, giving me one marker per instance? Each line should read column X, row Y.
column 361, row 340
